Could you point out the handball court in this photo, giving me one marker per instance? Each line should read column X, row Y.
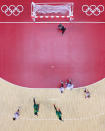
column 38, row 56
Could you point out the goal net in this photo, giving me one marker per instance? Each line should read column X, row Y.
column 52, row 11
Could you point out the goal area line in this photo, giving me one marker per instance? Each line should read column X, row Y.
column 55, row 22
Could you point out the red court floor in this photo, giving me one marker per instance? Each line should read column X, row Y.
column 38, row 55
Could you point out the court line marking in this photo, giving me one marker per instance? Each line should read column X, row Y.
column 54, row 3
column 65, row 119
column 11, row 84
column 53, row 22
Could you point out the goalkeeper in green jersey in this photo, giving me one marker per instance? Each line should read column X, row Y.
column 58, row 113
column 36, row 107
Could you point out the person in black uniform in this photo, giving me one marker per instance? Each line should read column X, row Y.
column 62, row 28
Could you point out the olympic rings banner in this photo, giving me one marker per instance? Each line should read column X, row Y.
column 93, row 10
column 12, row 10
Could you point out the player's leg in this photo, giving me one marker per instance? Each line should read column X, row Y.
column 63, row 30
column 34, row 101
column 55, row 108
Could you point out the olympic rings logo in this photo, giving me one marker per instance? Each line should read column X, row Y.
column 93, row 9
column 12, row 9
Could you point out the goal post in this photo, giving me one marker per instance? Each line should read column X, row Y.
column 58, row 11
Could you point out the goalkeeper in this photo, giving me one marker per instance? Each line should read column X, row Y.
column 62, row 28
column 36, row 107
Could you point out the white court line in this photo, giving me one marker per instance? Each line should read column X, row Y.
column 54, row 3
column 65, row 119
column 52, row 22
column 46, row 88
